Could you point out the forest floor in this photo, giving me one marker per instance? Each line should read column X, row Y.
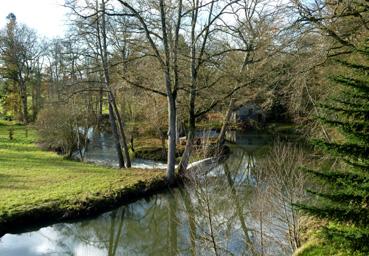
column 37, row 185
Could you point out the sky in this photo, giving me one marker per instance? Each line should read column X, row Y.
column 47, row 17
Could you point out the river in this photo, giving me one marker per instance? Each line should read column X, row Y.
column 216, row 214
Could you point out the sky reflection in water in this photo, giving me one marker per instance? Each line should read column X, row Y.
column 166, row 224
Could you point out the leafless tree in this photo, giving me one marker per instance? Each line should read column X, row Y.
column 162, row 36
column 92, row 22
column 280, row 185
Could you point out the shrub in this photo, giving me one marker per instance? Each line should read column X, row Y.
column 63, row 128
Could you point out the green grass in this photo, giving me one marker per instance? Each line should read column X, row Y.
column 316, row 242
column 32, row 179
column 319, row 246
column 210, row 124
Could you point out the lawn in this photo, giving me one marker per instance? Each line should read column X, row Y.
column 34, row 183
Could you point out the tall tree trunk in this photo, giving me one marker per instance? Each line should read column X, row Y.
column 177, row 130
column 188, row 149
column 171, row 139
column 33, row 95
column 23, row 95
column 191, row 126
column 102, row 38
column 36, row 95
column 221, row 137
column 122, row 134
column 192, row 99
column 100, row 107
column 115, row 134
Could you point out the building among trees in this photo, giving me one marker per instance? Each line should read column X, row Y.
column 247, row 114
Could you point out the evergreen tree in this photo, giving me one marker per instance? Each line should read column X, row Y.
column 345, row 196
column 343, row 193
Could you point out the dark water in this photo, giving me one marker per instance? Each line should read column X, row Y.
column 215, row 214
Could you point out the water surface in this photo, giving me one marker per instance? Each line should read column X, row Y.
column 215, row 214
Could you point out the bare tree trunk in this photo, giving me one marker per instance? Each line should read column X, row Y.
column 197, row 54
column 171, row 94
column 221, row 137
column 171, row 87
column 36, row 91
column 113, row 125
column 114, row 115
column 100, row 102
column 187, row 152
column 122, row 135
column 192, row 98
column 177, row 129
column 115, row 134
column 79, row 146
column 23, row 94
column 38, row 97
column 34, row 111
column 192, row 123
column 171, row 159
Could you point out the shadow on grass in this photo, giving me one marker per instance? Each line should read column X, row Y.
column 10, row 181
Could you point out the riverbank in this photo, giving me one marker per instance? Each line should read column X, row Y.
column 317, row 242
column 41, row 187
column 151, row 149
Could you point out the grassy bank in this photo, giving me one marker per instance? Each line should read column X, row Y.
column 317, row 242
column 151, row 149
column 41, row 186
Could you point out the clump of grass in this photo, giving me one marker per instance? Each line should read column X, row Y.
column 36, row 181
column 316, row 243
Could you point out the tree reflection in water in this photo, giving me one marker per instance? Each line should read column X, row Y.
column 214, row 214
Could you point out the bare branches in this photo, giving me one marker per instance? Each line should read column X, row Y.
column 144, row 87
column 148, row 33
column 324, row 16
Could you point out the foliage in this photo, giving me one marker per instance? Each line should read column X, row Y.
column 19, row 54
column 344, row 198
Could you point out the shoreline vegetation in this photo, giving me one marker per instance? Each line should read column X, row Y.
column 178, row 82
column 39, row 187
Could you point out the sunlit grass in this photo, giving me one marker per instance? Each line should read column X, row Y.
column 31, row 178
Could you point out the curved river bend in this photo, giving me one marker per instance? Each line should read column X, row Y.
column 216, row 214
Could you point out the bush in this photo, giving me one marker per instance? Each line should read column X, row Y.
column 62, row 128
